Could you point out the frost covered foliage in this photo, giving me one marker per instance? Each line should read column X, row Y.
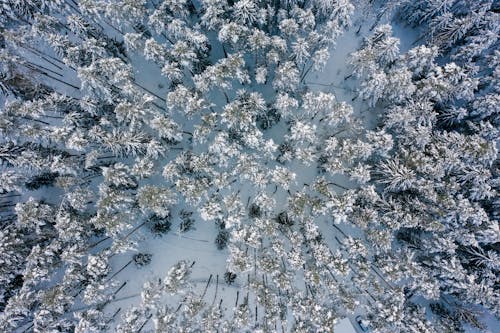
column 120, row 115
column 438, row 196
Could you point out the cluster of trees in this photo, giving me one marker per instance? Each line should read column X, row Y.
column 92, row 153
column 438, row 190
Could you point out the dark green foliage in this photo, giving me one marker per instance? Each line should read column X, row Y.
column 284, row 149
column 142, row 259
column 10, row 290
column 142, row 29
column 446, row 317
column 201, row 65
column 235, row 136
column 221, row 239
column 269, row 119
column 254, row 211
column 322, row 160
column 20, row 86
column 284, row 219
column 44, row 179
column 410, row 236
column 160, row 225
column 187, row 221
column 229, row 277
column 222, row 236
column 117, row 48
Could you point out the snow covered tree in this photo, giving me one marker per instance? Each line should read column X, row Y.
column 155, row 199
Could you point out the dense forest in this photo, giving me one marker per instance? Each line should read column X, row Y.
column 249, row 165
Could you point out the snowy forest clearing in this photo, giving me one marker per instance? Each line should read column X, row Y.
column 199, row 246
column 264, row 166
